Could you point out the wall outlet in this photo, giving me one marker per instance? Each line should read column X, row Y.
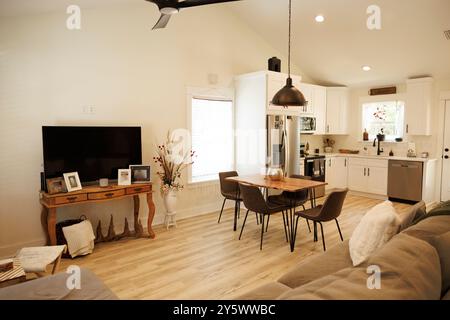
column 89, row 110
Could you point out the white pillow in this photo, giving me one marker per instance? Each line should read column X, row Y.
column 375, row 229
column 80, row 238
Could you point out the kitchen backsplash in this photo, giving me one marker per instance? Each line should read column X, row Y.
column 423, row 144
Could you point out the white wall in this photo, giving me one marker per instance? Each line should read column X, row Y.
column 128, row 73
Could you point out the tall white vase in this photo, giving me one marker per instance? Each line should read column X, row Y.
column 170, row 202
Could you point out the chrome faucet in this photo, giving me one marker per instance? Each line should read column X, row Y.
column 379, row 150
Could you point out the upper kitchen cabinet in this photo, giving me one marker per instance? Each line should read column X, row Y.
column 319, row 105
column 337, row 101
column 419, row 93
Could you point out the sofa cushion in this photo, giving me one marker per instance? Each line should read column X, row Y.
column 317, row 266
column 442, row 245
column 269, row 291
column 374, row 230
column 430, row 227
column 409, row 267
column 415, row 213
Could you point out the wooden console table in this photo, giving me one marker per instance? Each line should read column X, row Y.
column 95, row 194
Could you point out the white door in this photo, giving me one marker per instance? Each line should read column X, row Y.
column 445, row 180
column 377, row 180
column 340, row 172
column 357, row 177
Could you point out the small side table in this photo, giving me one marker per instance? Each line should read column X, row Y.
column 13, row 276
column 170, row 220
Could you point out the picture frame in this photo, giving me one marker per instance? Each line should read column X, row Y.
column 124, row 177
column 72, row 181
column 140, row 173
column 56, row 185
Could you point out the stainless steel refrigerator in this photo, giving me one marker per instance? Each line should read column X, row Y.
column 283, row 143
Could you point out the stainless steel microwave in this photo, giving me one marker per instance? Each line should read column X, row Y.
column 307, row 124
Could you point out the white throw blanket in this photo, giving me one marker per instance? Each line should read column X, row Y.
column 80, row 238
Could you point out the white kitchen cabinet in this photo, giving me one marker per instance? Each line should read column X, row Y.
column 320, row 108
column 357, row 179
column 336, row 172
column 337, row 110
column 308, row 92
column 368, row 175
column 418, row 105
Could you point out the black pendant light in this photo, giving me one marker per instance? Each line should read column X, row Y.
column 289, row 95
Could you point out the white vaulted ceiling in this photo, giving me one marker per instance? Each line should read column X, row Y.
column 410, row 43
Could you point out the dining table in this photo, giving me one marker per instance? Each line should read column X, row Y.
column 284, row 184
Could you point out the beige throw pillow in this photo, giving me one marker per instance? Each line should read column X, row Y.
column 376, row 228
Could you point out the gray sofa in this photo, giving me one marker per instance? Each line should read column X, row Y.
column 414, row 264
column 55, row 288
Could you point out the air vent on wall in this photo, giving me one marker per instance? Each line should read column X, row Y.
column 447, row 34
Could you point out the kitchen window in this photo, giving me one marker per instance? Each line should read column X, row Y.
column 386, row 115
column 211, row 124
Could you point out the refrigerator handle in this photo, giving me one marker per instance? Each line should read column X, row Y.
column 286, row 152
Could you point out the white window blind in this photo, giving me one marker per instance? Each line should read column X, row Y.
column 212, row 138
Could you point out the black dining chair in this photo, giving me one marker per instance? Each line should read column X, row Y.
column 254, row 201
column 295, row 199
column 330, row 210
column 229, row 190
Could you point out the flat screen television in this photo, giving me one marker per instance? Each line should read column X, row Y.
column 94, row 152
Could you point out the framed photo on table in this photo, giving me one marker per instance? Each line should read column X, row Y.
column 72, row 181
column 140, row 174
column 56, row 185
column 124, row 177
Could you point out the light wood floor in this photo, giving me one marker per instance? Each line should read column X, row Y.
column 205, row 260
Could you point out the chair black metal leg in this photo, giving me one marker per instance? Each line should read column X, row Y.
column 262, row 232
column 239, row 209
column 323, row 237
column 243, row 225
column 267, row 226
column 339, row 229
column 309, row 227
column 285, row 230
column 315, row 231
column 296, row 225
column 221, row 210
column 257, row 219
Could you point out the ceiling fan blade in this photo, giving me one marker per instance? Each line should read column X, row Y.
column 162, row 22
column 195, row 3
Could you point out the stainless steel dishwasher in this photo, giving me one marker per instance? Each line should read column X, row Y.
column 405, row 180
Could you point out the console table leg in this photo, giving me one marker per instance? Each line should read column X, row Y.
column 151, row 215
column 138, row 230
column 51, row 225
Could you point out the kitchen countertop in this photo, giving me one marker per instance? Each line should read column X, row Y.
column 382, row 157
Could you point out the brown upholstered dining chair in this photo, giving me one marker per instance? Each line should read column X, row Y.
column 296, row 199
column 229, row 190
column 330, row 210
column 254, row 201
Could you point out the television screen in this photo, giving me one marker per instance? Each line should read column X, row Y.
column 94, row 152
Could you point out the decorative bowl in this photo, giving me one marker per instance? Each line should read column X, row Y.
column 275, row 174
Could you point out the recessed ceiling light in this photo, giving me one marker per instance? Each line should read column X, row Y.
column 366, row 68
column 320, row 18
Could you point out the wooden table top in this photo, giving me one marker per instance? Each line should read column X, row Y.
column 287, row 184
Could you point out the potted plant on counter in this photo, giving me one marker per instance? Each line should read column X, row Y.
column 172, row 160
column 328, row 145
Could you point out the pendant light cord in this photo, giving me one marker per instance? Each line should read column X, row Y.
column 289, row 46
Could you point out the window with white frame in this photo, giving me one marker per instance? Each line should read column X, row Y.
column 386, row 115
column 212, row 137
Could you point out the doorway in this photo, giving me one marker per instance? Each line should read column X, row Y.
column 445, row 179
